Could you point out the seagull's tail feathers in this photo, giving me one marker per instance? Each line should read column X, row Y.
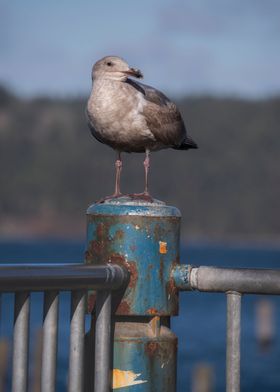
column 187, row 143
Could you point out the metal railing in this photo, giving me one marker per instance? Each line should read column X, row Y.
column 51, row 279
column 77, row 278
column 234, row 283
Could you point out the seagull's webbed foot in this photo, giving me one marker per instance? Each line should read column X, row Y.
column 113, row 196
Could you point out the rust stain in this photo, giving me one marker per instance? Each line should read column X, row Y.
column 152, row 311
column 123, row 308
column 171, row 288
column 119, row 235
column 100, row 230
column 151, row 348
column 157, row 231
column 156, row 312
column 132, row 267
column 164, row 351
column 161, row 269
column 172, row 293
column 98, row 248
column 94, row 249
column 116, row 258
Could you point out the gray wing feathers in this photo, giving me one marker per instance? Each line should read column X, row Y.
column 162, row 117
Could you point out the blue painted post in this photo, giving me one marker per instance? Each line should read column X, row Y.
column 143, row 237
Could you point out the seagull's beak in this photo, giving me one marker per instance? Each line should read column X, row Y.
column 136, row 73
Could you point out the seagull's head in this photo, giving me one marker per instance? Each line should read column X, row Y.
column 114, row 68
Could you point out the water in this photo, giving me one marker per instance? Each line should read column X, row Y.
column 201, row 326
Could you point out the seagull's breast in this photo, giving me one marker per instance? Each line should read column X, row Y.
column 116, row 114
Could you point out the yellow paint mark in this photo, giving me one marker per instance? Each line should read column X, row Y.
column 125, row 378
column 162, row 247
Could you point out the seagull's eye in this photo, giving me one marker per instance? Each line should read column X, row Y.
column 109, row 64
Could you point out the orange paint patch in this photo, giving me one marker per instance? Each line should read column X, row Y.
column 162, row 247
column 125, row 378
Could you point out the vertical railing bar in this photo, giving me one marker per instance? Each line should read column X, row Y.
column 49, row 349
column 233, row 341
column 77, row 334
column 102, row 376
column 21, row 342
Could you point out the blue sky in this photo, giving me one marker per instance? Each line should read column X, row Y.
column 220, row 47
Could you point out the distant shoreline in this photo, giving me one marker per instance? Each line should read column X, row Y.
column 50, row 229
column 227, row 190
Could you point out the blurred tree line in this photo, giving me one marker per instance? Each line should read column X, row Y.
column 52, row 168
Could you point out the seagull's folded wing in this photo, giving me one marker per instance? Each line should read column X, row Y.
column 162, row 117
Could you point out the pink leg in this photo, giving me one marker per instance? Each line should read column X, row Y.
column 118, row 165
column 146, row 167
column 145, row 195
column 117, row 193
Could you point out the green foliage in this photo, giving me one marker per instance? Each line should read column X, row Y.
column 229, row 186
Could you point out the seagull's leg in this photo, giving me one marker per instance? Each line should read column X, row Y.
column 117, row 193
column 118, row 165
column 146, row 167
column 145, row 195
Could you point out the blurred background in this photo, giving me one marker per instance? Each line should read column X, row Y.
column 219, row 61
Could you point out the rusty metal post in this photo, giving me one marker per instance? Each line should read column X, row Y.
column 144, row 238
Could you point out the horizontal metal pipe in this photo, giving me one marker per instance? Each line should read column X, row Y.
column 30, row 277
column 241, row 280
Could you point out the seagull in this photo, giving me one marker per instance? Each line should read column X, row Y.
column 130, row 116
